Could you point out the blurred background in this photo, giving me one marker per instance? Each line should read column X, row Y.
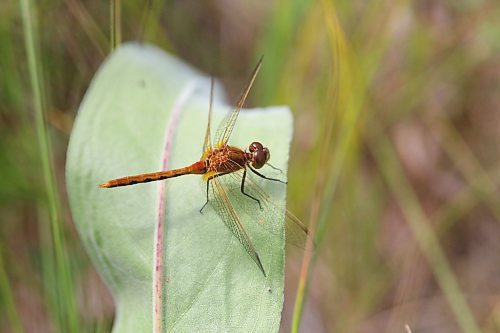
column 395, row 163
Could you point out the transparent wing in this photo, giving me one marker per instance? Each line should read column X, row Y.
column 271, row 213
column 207, row 144
column 226, row 127
column 221, row 203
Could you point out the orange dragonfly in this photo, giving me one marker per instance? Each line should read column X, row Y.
column 224, row 160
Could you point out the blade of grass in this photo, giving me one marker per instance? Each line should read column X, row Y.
column 419, row 223
column 65, row 303
column 340, row 96
column 116, row 24
column 352, row 96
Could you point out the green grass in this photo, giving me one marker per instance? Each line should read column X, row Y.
column 54, row 260
column 394, row 162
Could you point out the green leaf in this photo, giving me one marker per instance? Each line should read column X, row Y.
column 211, row 284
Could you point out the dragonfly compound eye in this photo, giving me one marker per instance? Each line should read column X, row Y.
column 255, row 146
column 260, row 157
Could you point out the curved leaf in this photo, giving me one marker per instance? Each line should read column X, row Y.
column 211, row 284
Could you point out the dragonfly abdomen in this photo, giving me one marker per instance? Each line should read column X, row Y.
column 195, row 168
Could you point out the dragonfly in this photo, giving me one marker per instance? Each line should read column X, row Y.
column 223, row 160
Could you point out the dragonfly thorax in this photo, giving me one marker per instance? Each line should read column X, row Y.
column 259, row 154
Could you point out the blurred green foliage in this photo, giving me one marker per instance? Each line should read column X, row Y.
column 396, row 135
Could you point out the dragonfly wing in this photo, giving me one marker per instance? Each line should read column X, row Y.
column 295, row 231
column 223, row 206
column 272, row 212
column 226, row 127
column 207, row 144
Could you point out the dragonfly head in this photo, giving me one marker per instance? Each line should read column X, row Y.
column 260, row 154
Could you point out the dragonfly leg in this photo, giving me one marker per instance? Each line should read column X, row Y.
column 275, row 168
column 262, row 176
column 243, row 188
column 208, row 184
